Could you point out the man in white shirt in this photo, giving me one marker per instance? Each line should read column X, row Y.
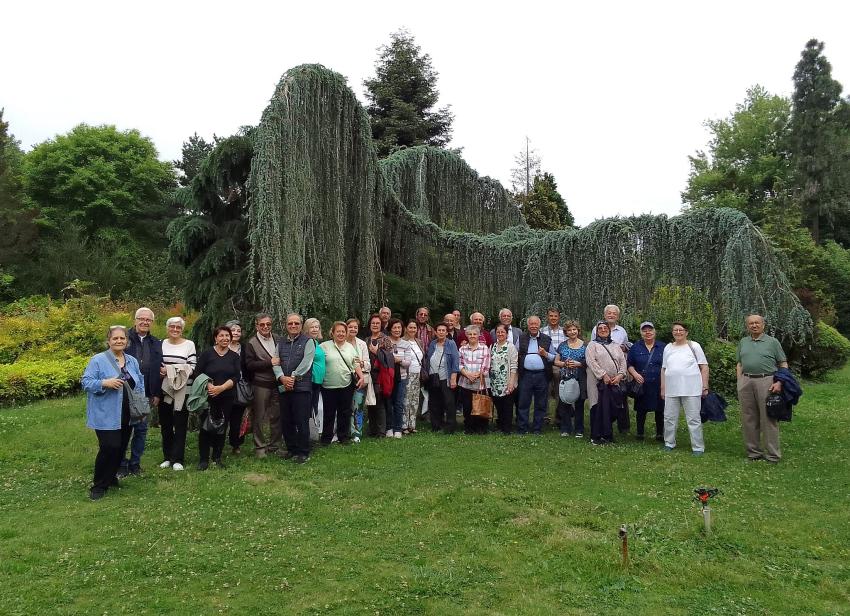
column 554, row 330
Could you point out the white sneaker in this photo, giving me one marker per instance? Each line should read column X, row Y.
column 397, row 434
column 165, row 464
column 389, row 433
column 177, row 466
column 356, row 439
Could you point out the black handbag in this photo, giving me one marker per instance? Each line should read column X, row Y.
column 633, row 388
column 777, row 408
column 213, row 422
column 433, row 382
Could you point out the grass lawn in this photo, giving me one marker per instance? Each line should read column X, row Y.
column 431, row 525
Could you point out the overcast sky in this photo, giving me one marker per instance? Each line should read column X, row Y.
column 613, row 95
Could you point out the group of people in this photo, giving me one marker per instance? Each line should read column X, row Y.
column 381, row 383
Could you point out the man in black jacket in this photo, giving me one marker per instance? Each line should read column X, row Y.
column 147, row 349
column 535, row 370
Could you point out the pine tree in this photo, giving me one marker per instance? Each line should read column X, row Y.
column 527, row 168
column 194, row 151
column 816, row 137
column 402, row 96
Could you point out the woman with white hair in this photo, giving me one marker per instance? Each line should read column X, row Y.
column 474, row 378
column 108, row 406
column 178, row 362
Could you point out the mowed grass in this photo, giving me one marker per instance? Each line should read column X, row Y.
column 431, row 525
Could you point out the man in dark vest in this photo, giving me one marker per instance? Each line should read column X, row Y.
column 535, row 370
column 261, row 356
column 147, row 349
column 296, row 352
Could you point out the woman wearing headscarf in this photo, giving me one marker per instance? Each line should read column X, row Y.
column 108, row 406
column 645, row 359
column 503, row 377
column 606, row 369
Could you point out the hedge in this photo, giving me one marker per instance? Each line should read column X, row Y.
column 40, row 378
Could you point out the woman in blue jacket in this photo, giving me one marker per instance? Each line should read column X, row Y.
column 443, row 361
column 108, row 407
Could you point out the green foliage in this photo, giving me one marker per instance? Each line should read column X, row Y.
column 211, row 240
column 722, row 361
column 685, row 304
column 40, row 378
column 829, row 350
column 832, row 265
column 820, row 136
column 748, row 160
column 16, row 220
column 544, row 207
column 100, row 179
column 402, row 96
column 194, row 152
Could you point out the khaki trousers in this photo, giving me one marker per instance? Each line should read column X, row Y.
column 754, row 420
column 265, row 420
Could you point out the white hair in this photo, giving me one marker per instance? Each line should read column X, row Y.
column 472, row 328
column 504, row 310
column 142, row 310
column 611, row 307
column 176, row 321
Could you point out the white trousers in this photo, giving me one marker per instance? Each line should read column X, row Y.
column 692, row 405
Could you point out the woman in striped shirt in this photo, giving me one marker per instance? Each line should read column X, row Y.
column 474, row 377
column 178, row 363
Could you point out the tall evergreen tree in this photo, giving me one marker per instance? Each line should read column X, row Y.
column 816, row 137
column 402, row 96
column 195, row 150
column 527, row 168
column 544, row 207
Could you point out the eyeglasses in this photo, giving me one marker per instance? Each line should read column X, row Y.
column 144, row 320
column 264, row 324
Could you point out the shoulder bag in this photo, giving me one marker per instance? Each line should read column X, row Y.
column 140, row 408
column 482, row 404
column 433, row 382
column 633, row 388
column 622, row 385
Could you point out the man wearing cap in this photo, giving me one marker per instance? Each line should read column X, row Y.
column 759, row 356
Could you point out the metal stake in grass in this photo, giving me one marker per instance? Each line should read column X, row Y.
column 624, row 537
column 702, row 497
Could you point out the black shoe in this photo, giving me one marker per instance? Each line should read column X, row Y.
column 219, row 464
column 659, row 437
column 301, row 459
column 596, row 441
column 203, row 465
column 97, row 493
column 136, row 471
column 288, row 455
column 122, row 472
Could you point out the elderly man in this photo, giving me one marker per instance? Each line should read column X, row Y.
column 261, row 357
column 535, row 370
column 385, row 313
column 611, row 315
column 424, row 331
column 296, row 352
column 554, row 330
column 147, row 349
column 476, row 319
column 759, row 356
column 506, row 317
column 451, row 321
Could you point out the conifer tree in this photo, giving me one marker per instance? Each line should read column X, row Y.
column 402, row 96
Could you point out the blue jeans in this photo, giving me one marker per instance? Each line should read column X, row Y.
column 399, row 393
column 137, row 446
column 532, row 385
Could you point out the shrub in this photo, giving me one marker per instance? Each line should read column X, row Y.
column 40, row 378
column 829, row 350
column 721, row 356
column 686, row 304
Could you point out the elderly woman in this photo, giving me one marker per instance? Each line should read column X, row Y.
column 360, row 396
column 108, row 406
column 238, row 411
column 342, row 377
column 503, row 377
column 645, row 360
column 474, row 378
column 313, row 328
column 443, row 365
column 416, row 355
column 570, row 358
column 401, row 358
column 223, row 367
column 380, row 356
column 178, row 363
column 606, row 365
column 684, row 382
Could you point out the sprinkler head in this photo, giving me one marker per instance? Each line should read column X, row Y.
column 703, row 494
